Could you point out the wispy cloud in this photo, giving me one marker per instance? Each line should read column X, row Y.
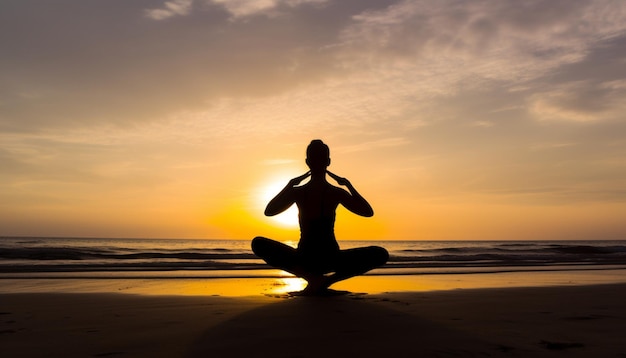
column 243, row 8
column 367, row 61
column 512, row 41
column 170, row 9
column 236, row 8
column 580, row 101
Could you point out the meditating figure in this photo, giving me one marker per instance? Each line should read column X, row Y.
column 318, row 258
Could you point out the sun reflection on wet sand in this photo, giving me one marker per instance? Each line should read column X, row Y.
column 280, row 286
column 286, row 285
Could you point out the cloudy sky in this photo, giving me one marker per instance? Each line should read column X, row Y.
column 486, row 119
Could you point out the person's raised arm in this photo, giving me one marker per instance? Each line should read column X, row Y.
column 283, row 200
column 353, row 202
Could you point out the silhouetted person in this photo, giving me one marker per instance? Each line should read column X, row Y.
column 318, row 258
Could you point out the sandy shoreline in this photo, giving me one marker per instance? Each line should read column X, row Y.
column 252, row 286
column 563, row 321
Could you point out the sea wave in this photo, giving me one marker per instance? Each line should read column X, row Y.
column 41, row 255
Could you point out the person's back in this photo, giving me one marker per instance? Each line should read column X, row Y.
column 318, row 252
column 317, row 204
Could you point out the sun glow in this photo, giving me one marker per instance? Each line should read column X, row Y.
column 289, row 284
column 289, row 217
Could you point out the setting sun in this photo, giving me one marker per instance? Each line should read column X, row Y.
column 288, row 218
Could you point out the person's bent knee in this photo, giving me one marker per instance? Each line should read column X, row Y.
column 258, row 244
column 381, row 255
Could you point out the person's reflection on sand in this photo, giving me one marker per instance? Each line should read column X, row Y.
column 318, row 258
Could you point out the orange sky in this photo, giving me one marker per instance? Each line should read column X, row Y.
column 482, row 120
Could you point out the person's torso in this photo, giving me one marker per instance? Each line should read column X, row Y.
column 317, row 205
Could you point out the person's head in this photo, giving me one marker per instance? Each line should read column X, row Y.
column 317, row 156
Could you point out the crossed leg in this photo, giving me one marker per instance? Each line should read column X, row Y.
column 341, row 265
column 357, row 261
column 279, row 255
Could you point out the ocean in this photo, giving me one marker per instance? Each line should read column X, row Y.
column 39, row 257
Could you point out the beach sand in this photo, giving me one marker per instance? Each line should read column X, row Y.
column 560, row 321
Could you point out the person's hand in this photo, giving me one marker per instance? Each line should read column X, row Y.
column 298, row 180
column 340, row 180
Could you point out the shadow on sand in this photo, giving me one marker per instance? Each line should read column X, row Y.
column 334, row 326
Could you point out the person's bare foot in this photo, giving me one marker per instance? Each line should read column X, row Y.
column 316, row 285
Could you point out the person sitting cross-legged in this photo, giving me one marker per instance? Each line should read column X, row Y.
column 318, row 258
